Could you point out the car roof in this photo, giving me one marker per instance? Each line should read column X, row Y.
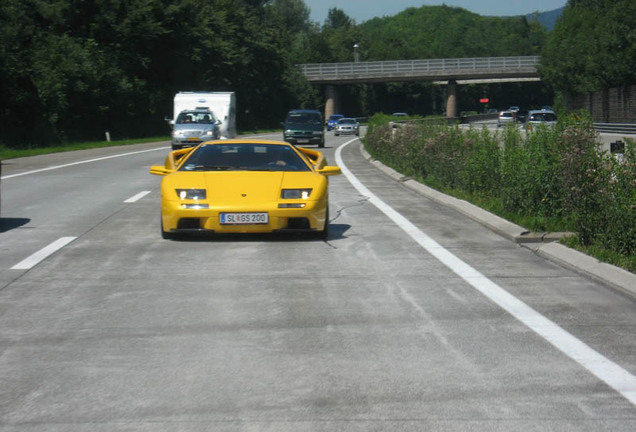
column 303, row 111
column 247, row 141
column 541, row 111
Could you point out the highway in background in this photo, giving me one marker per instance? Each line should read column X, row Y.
column 410, row 317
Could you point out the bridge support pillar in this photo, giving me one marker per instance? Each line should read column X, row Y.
column 451, row 99
column 331, row 104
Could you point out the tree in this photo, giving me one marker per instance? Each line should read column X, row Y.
column 592, row 47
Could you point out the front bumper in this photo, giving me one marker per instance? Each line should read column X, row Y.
column 176, row 219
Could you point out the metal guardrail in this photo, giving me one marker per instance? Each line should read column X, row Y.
column 619, row 128
column 397, row 67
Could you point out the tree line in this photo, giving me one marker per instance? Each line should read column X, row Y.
column 72, row 69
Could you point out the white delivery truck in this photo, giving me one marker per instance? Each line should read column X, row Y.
column 222, row 104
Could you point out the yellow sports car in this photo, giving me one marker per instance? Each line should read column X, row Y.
column 244, row 186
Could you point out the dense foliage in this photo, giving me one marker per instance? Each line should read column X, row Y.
column 551, row 179
column 592, row 47
column 74, row 69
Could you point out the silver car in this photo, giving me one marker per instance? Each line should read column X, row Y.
column 539, row 117
column 347, row 126
column 505, row 117
column 192, row 127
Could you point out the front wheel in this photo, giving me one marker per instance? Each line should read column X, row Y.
column 166, row 235
column 324, row 234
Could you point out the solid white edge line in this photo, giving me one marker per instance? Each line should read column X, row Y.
column 42, row 254
column 137, row 197
column 80, row 162
column 600, row 366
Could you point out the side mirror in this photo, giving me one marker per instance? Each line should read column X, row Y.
column 160, row 170
column 330, row 170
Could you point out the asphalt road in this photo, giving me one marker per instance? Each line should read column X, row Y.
column 410, row 317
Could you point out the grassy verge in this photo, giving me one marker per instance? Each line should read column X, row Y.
column 541, row 224
column 9, row 153
column 549, row 180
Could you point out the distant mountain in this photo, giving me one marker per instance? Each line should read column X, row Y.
column 548, row 19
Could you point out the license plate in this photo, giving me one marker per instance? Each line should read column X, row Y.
column 302, row 141
column 244, row 218
column 193, row 139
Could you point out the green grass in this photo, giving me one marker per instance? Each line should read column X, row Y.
column 10, row 153
column 541, row 224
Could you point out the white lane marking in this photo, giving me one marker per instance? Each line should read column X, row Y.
column 42, row 254
column 80, row 162
column 137, row 197
column 600, row 366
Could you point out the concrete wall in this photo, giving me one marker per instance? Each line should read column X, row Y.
column 615, row 105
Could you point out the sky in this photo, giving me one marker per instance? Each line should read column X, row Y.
column 363, row 10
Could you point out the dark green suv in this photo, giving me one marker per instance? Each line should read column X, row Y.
column 304, row 126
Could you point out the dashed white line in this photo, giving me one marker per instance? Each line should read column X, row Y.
column 42, row 254
column 600, row 366
column 137, row 197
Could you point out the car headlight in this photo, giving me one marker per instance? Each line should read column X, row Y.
column 177, row 133
column 193, row 194
column 209, row 133
column 295, row 193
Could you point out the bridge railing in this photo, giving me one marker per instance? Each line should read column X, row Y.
column 417, row 66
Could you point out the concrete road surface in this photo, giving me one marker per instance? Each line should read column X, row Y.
column 411, row 316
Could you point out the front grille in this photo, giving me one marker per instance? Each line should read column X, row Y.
column 298, row 223
column 188, row 223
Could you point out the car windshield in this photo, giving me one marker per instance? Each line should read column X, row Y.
column 335, row 117
column 201, row 117
column 347, row 121
column 244, row 157
column 304, row 117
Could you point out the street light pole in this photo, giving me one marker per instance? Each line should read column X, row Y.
column 356, row 55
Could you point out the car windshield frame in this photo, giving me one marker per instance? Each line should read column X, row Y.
column 195, row 117
column 347, row 120
column 244, row 157
column 304, row 118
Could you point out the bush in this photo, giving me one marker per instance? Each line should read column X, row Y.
column 547, row 175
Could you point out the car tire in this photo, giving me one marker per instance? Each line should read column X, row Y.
column 166, row 235
column 324, row 234
column 322, row 143
column 176, row 147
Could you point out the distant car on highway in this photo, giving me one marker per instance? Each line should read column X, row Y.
column 514, row 108
column 400, row 114
column 540, row 117
column 332, row 120
column 304, row 126
column 347, row 126
column 505, row 117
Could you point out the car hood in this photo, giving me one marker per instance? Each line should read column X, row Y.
column 193, row 126
column 244, row 187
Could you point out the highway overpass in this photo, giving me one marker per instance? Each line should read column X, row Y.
column 450, row 71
